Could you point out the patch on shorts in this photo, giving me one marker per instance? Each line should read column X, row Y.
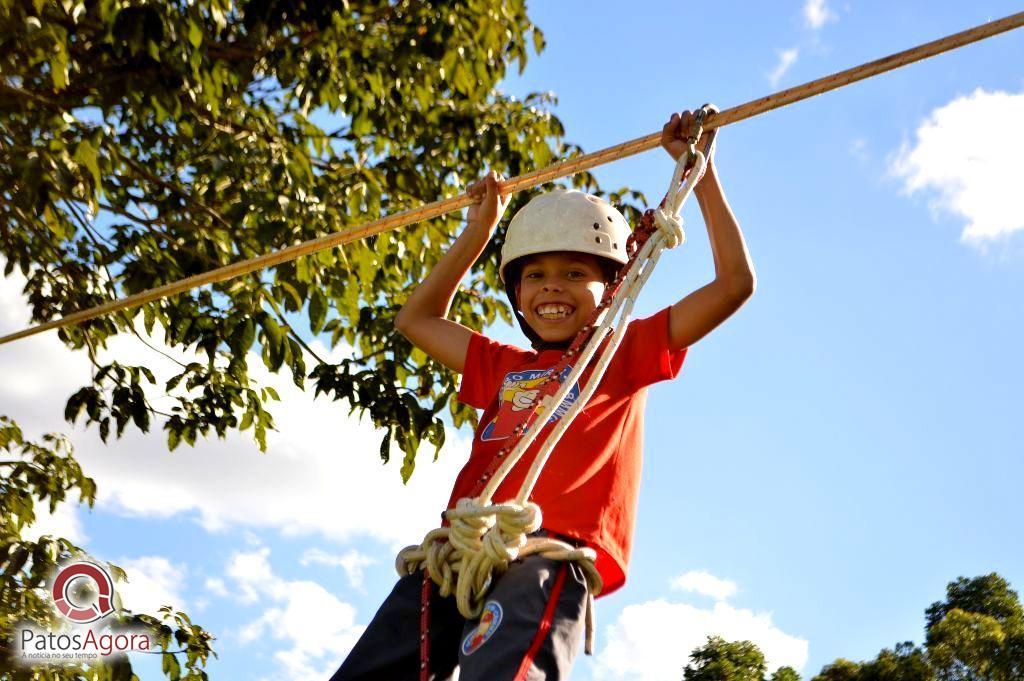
column 490, row 618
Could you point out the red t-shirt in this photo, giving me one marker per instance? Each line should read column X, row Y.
column 588, row 489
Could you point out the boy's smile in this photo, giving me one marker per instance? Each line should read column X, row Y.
column 557, row 292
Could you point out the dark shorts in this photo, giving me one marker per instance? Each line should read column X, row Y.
column 530, row 629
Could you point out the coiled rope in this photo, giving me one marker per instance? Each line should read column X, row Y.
column 484, row 538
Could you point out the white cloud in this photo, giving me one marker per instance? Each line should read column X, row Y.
column 859, row 149
column 251, row 574
column 786, row 59
column 352, row 562
column 652, row 641
column 215, row 585
column 817, row 14
column 705, row 584
column 63, row 522
column 318, row 629
column 320, row 475
column 153, row 581
column 967, row 155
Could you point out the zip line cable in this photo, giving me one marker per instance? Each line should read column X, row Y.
column 536, row 177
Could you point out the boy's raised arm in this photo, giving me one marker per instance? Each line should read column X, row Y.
column 700, row 312
column 423, row 317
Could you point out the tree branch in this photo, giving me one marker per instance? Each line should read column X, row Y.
column 291, row 332
column 173, row 187
column 26, row 94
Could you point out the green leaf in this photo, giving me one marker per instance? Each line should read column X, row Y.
column 361, row 124
column 296, row 299
column 86, row 155
column 242, row 337
column 298, row 363
column 195, row 33
column 409, row 460
column 171, row 668
column 59, row 65
column 317, row 310
column 385, row 447
column 538, row 40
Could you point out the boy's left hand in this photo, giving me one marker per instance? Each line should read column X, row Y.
column 674, row 134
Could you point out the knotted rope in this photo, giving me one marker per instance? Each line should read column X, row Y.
column 484, row 538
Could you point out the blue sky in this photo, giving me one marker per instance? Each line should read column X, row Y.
column 827, row 460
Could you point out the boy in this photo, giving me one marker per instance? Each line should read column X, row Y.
column 561, row 250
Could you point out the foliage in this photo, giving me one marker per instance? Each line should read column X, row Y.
column 976, row 634
column 145, row 142
column 905, row 662
column 48, row 473
column 840, row 670
column 718, row 660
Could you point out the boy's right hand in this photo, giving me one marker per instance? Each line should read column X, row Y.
column 490, row 201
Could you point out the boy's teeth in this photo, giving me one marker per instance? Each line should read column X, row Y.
column 554, row 311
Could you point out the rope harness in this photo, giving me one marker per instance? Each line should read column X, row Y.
column 483, row 538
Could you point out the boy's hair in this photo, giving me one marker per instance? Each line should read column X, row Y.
column 514, row 270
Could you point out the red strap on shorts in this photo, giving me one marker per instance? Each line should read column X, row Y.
column 425, row 627
column 545, row 624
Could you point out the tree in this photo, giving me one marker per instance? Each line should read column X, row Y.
column 48, row 473
column 840, row 670
column 977, row 632
column 905, row 662
column 719, row 660
column 147, row 142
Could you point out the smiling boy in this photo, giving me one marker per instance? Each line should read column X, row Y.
column 560, row 252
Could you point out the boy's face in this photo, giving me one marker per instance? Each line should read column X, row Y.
column 557, row 292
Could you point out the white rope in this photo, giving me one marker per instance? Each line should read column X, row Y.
column 484, row 538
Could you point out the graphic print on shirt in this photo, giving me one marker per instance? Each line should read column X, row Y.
column 518, row 400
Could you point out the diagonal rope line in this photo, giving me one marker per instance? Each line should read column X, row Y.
column 537, row 177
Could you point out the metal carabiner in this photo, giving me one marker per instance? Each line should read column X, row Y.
column 700, row 116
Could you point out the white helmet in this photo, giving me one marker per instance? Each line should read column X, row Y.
column 566, row 220
column 562, row 220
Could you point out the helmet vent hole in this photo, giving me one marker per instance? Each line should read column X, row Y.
column 597, row 239
column 597, row 226
column 615, row 246
column 609, row 218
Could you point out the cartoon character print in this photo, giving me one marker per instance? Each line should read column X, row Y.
column 520, row 396
column 490, row 618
